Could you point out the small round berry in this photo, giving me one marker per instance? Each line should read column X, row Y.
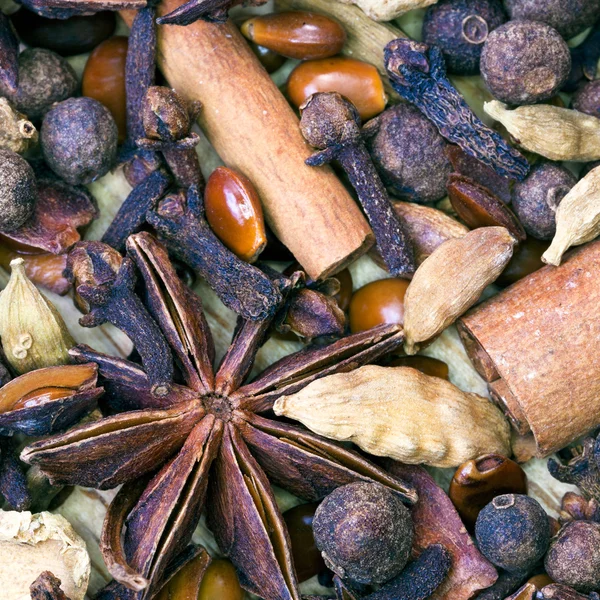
column 523, row 62
column 18, row 192
column 513, row 532
column 587, row 99
column 364, row 532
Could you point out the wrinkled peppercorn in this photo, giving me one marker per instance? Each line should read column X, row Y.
column 409, row 154
column 536, row 199
column 523, row 62
column 220, row 581
column 364, row 532
column 79, row 140
column 568, row 18
column 513, row 532
column 44, row 78
column 377, row 303
column 17, row 190
column 574, row 556
column 66, row 37
column 587, row 99
column 460, row 28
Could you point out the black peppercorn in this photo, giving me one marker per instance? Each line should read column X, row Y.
column 17, row 190
column 513, row 532
column 460, row 28
column 44, row 78
column 568, row 18
column 574, row 556
column 536, row 198
column 364, row 532
column 587, row 99
column 79, row 140
column 409, row 154
column 523, row 62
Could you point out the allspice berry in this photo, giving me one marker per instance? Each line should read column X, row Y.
column 587, row 99
column 364, row 532
column 79, row 140
column 513, row 532
column 524, row 62
column 44, row 78
column 574, row 556
column 18, row 192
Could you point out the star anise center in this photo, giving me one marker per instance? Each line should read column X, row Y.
column 218, row 405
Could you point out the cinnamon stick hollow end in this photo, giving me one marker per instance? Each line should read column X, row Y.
column 537, row 344
column 255, row 131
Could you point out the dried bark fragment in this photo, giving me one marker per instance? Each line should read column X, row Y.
column 47, row 587
column 418, row 74
column 9, row 55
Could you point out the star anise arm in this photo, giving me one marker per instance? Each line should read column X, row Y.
column 308, row 465
column 13, row 481
column 297, row 370
column 243, row 515
column 114, row 450
column 177, row 310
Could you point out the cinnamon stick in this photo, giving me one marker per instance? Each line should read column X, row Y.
column 254, row 130
column 537, row 344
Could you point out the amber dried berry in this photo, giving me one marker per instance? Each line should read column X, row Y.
column 104, row 79
column 297, row 34
column 526, row 259
column 477, row 482
column 358, row 81
column 307, row 558
column 478, row 207
column 540, row 581
column 426, row 364
column 234, row 213
column 376, row 303
column 220, row 581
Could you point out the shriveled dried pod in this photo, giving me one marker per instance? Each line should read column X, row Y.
column 17, row 133
column 553, row 132
column 400, row 413
column 451, row 280
column 388, row 9
column 577, row 217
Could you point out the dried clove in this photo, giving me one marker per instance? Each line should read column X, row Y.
column 18, row 193
column 574, row 507
column 9, row 56
column 47, row 587
column 417, row 72
column 331, row 123
column 213, row 11
column 179, row 221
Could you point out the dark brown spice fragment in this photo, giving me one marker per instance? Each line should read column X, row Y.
column 505, row 585
column 214, row 11
column 574, row 507
column 584, row 60
column 47, row 587
column 9, row 56
column 18, row 193
column 13, row 481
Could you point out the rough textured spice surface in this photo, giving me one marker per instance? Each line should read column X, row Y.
column 587, row 99
column 18, row 192
column 44, row 78
column 17, row 133
column 9, row 56
column 47, row 587
column 523, row 62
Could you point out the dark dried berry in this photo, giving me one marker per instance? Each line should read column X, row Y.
column 587, row 99
column 513, row 532
column 44, row 78
column 66, row 37
column 536, row 199
column 17, row 190
column 409, row 154
column 574, row 556
column 364, row 532
column 523, row 62
column 568, row 18
column 460, row 28
column 79, row 140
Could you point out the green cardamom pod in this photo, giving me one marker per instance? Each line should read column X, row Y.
column 32, row 331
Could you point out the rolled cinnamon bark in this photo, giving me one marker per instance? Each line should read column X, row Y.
column 537, row 344
column 254, row 130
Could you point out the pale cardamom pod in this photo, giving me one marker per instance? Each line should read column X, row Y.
column 32, row 331
column 577, row 217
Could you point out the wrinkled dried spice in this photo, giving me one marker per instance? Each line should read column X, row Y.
column 207, row 425
column 9, row 55
column 47, row 587
column 213, row 11
column 574, row 507
column 417, row 72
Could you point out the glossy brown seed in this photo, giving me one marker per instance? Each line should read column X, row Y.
column 344, row 296
column 234, row 212
column 220, row 581
column 425, row 364
column 269, row 59
column 104, row 79
column 377, row 303
column 186, row 582
column 526, row 259
column 478, row 207
column 477, row 482
column 541, row 580
column 358, row 81
column 41, row 396
column 307, row 557
column 297, row 34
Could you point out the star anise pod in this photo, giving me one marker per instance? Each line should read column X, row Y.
column 205, row 438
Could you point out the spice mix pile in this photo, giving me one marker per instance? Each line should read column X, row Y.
column 304, row 299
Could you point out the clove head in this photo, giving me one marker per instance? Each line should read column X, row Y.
column 165, row 114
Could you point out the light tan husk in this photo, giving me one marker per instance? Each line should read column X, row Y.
column 33, row 332
column 400, row 413
column 386, row 10
column 553, row 132
column 577, row 217
column 16, row 132
column 451, row 280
